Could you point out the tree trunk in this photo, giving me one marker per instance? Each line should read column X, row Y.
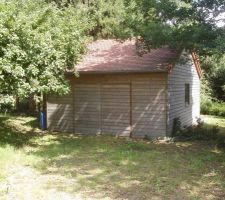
column 32, row 103
column 17, row 103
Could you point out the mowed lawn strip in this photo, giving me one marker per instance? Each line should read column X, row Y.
column 39, row 165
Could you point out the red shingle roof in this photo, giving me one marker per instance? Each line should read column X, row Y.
column 111, row 56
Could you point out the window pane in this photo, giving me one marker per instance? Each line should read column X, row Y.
column 187, row 93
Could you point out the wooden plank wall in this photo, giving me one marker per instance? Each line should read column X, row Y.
column 115, row 99
column 149, row 107
column 104, row 103
column 60, row 113
column 87, row 108
column 183, row 72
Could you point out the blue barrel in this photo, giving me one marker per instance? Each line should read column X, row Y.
column 43, row 121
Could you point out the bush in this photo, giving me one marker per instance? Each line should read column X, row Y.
column 176, row 127
column 206, row 95
column 221, row 142
column 200, row 132
column 205, row 106
column 209, row 103
column 213, row 108
column 6, row 103
column 218, row 109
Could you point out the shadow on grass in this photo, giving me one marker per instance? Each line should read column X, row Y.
column 17, row 131
column 122, row 169
column 118, row 168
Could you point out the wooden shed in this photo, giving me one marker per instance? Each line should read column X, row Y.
column 121, row 91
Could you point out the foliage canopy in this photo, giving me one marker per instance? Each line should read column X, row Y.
column 39, row 40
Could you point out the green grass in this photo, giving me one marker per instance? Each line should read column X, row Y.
column 215, row 121
column 65, row 166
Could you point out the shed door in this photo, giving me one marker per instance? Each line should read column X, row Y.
column 115, row 99
column 87, row 108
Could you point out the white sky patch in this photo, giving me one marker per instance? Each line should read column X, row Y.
column 220, row 20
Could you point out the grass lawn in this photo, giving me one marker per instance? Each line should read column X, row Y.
column 214, row 120
column 36, row 165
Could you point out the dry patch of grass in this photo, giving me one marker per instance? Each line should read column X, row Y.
column 64, row 166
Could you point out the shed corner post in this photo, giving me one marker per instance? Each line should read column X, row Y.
column 131, row 111
column 167, row 94
column 73, row 103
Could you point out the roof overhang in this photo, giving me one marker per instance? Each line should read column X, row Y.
column 197, row 64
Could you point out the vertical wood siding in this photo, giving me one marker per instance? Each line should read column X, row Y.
column 116, row 104
column 60, row 113
column 115, row 100
column 149, row 107
column 87, row 108
column 183, row 73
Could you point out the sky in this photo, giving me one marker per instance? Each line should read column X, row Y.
column 221, row 17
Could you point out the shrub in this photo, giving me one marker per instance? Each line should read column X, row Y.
column 220, row 142
column 218, row 109
column 206, row 95
column 209, row 104
column 213, row 108
column 200, row 132
column 205, row 106
column 6, row 103
column 176, row 127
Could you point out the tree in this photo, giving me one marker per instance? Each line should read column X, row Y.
column 108, row 18
column 189, row 24
column 38, row 43
column 40, row 40
column 184, row 24
column 215, row 74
